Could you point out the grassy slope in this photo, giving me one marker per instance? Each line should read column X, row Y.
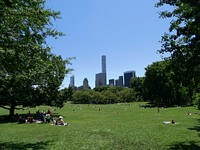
column 114, row 127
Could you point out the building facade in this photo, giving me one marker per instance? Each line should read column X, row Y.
column 127, row 77
column 103, row 61
column 85, row 84
column 117, row 82
column 100, row 78
column 72, row 82
column 111, row 82
column 121, row 83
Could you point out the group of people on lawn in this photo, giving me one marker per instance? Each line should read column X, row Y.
column 42, row 117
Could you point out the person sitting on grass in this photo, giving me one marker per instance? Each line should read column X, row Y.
column 189, row 113
column 60, row 122
column 30, row 119
column 47, row 118
column 21, row 120
column 50, row 113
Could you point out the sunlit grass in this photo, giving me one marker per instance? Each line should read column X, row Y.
column 112, row 127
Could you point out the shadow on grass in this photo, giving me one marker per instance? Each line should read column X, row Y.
column 196, row 127
column 23, row 146
column 6, row 119
column 185, row 146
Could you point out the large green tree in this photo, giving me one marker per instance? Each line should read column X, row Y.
column 183, row 42
column 163, row 88
column 158, row 84
column 30, row 74
column 183, row 39
column 137, row 84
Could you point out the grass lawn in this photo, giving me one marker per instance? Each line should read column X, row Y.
column 114, row 127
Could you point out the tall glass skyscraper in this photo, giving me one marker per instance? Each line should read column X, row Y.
column 103, row 64
column 121, row 83
column 127, row 77
column 72, row 84
column 100, row 78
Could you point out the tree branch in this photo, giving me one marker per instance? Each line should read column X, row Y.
column 5, row 107
column 9, row 108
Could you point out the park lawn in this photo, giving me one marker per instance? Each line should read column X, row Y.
column 106, row 127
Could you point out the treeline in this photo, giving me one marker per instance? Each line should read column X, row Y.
column 105, row 95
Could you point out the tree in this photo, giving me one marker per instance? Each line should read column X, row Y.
column 83, row 97
column 158, row 83
column 183, row 39
column 183, row 42
column 127, row 95
column 30, row 74
column 109, row 97
column 137, row 84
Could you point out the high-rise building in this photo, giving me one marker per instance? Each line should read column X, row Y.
column 72, row 83
column 85, row 84
column 121, row 83
column 117, row 82
column 127, row 77
column 100, row 79
column 103, row 64
column 111, row 82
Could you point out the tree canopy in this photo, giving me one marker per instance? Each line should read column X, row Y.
column 30, row 74
column 183, row 43
column 104, row 95
column 183, row 39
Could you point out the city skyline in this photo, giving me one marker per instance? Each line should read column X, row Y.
column 101, row 80
column 127, row 32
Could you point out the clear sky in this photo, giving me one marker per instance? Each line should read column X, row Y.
column 126, row 31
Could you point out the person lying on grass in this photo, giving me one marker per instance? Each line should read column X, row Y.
column 169, row 122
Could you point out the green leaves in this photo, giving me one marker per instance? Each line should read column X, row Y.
column 104, row 95
column 30, row 74
column 183, row 38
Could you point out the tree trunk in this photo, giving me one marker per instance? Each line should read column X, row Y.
column 12, row 110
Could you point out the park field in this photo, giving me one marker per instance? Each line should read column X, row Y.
column 105, row 127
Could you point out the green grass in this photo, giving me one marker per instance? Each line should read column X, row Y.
column 114, row 127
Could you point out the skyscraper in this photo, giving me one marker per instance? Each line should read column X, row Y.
column 111, row 82
column 85, row 84
column 100, row 78
column 117, row 82
column 121, row 83
column 127, row 77
column 72, row 84
column 103, row 64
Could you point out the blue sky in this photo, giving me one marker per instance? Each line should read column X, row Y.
column 126, row 31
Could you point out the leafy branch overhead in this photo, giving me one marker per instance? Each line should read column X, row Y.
column 183, row 39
